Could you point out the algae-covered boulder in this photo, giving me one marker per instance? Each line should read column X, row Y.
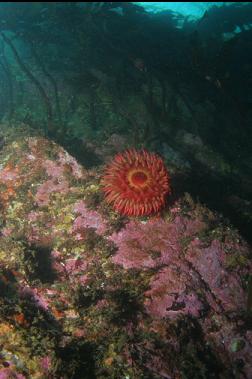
column 86, row 293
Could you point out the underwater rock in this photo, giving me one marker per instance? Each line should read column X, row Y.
column 105, row 150
column 174, row 159
column 202, row 153
column 87, row 293
column 191, row 140
column 2, row 142
column 153, row 243
column 88, row 219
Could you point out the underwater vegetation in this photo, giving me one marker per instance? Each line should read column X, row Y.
column 180, row 87
column 88, row 293
column 125, row 192
column 136, row 183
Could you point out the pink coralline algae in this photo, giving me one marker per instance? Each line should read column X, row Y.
column 172, row 293
column 67, row 159
column 57, row 181
column 159, row 244
column 62, row 159
column 6, row 232
column 72, row 269
column 9, row 174
column 44, row 298
column 36, row 295
column 50, row 186
column 39, row 230
column 225, row 285
column 57, row 169
column 190, row 277
column 53, row 169
column 34, row 216
column 46, row 364
column 8, row 373
column 87, row 219
column 166, row 297
column 153, row 243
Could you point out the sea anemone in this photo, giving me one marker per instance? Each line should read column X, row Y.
column 136, row 183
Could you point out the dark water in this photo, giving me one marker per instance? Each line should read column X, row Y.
column 94, row 79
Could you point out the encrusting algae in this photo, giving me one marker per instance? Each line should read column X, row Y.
column 86, row 292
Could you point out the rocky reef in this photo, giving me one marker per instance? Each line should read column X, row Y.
column 87, row 293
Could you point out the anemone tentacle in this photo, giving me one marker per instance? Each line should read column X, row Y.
column 136, row 183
